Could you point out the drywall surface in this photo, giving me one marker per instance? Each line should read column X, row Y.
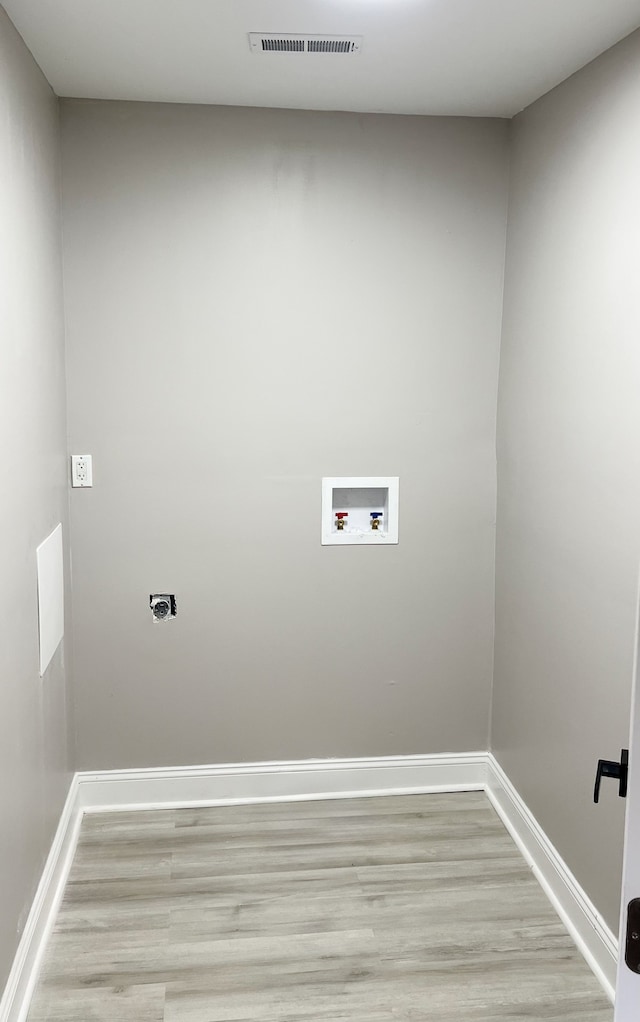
column 257, row 299
column 568, row 540
column 34, row 759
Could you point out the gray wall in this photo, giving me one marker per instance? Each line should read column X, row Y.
column 256, row 299
column 34, row 760
column 568, row 539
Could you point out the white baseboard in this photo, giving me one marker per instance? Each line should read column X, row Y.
column 16, row 998
column 111, row 790
column 262, row 782
column 590, row 932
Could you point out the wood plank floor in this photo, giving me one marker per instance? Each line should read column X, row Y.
column 396, row 909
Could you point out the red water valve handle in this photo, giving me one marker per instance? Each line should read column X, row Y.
column 342, row 514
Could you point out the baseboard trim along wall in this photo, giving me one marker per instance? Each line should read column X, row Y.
column 234, row 784
column 585, row 924
column 16, row 998
column 259, row 782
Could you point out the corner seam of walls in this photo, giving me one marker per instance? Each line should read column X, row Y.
column 72, row 736
column 495, row 435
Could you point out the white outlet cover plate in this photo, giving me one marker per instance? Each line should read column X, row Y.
column 361, row 495
column 81, row 470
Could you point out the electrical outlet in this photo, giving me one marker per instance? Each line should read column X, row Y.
column 81, row 470
column 163, row 606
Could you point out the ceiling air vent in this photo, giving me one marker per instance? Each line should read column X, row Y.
column 271, row 42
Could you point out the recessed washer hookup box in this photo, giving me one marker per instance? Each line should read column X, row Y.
column 359, row 510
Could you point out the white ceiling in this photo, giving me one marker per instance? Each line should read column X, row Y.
column 462, row 57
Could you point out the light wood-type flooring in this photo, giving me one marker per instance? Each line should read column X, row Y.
column 396, row 909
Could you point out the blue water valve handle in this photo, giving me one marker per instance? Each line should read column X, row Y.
column 375, row 514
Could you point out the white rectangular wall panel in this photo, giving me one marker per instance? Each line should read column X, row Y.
column 50, row 596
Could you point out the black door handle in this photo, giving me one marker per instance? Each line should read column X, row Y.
column 610, row 768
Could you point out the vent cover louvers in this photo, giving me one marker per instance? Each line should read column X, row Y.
column 272, row 42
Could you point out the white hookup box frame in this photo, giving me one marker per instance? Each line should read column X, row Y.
column 361, row 500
